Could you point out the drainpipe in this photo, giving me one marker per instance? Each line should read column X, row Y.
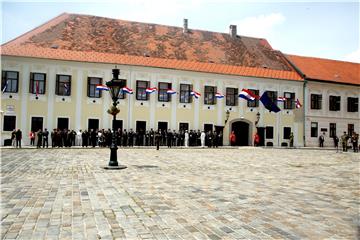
column 304, row 109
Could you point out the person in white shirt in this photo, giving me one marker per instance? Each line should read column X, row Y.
column 202, row 138
column 79, row 138
column 186, row 138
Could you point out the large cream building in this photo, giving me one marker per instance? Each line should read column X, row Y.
column 51, row 73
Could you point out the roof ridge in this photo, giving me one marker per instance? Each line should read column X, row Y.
column 327, row 59
column 35, row 30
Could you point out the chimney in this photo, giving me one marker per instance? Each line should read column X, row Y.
column 185, row 29
column 233, row 32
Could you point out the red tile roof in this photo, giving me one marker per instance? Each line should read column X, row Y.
column 327, row 70
column 86, row 38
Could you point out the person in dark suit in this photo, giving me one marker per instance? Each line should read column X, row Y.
column 39, row 138
column 18, row 136
column 45, row 138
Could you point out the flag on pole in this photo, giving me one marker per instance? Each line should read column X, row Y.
column 102, row 87
column 151, row 90
column 195, row 94
column 170, row 91
column 127, row 90
column 281, row 99
column 268, row 104
column 298, row 104
column 5, row 87
column 37, row 88
column 219, row 95
column 66, row 88
column 248, row 95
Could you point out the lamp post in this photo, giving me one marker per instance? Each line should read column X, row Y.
column 115, row 85
column 257, row 119
column 227, row 115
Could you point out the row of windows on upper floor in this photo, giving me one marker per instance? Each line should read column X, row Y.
column 314, row 129
column 37, row 85
column 334, row 103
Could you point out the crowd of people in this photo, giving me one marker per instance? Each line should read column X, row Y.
column 103, row 138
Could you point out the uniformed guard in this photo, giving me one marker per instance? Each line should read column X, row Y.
column 344, row 139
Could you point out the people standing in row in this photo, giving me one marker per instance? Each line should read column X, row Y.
column 232, row 138
column 344, row 139
column 18, row 136
column 355, row 141
column 32, row 138
column 321, row 140
column 336, row 142
column 45, row 138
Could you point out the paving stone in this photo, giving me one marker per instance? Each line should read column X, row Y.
column 239, row 193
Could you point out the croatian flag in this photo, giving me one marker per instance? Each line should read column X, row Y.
column 219, row 95
column 281, row 99
column 151, row 90
column 102, row 87
column 5, row 87
column 37, row 88
column 298, row 104
column 195, row 94
column 127, row 90
column 170, row 91
column 66, row 88
column 248, row 95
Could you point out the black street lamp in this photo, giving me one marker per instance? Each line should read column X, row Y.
column 115, row 85
column 227, row 115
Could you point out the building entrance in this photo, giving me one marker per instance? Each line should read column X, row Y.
column 241, row 130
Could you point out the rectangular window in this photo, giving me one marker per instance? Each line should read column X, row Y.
column 287, row 131
column 209, row 97
column 231, row 96
column 118, row 124
column 314, row 129
column 352, row 104
column 334, row 103
column 10, row 81
column 140, row 126
column 290, row 100
column 91, row 87
column 163, row 96
column 316, row 101
column 332, row 129
column 256, row 102
column 162, row 126
column 208, row 127
column 93, row 124
column 183, row 126
column 350, row 129
column 37, row 83
column 63, row 85
column 273, row 96
column 63, row 123
column 141, row 87
column 269, row 132
column 185, row 90
column 9, row 123
column 36, row 123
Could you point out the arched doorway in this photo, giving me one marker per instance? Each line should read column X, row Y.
column 242, row 132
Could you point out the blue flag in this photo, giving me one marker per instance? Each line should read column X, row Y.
column 269, row 105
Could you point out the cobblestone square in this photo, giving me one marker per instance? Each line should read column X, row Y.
column 245, row 193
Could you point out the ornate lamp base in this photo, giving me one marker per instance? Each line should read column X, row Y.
column 115, row 167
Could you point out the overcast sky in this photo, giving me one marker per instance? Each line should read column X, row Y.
column 322, row 29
